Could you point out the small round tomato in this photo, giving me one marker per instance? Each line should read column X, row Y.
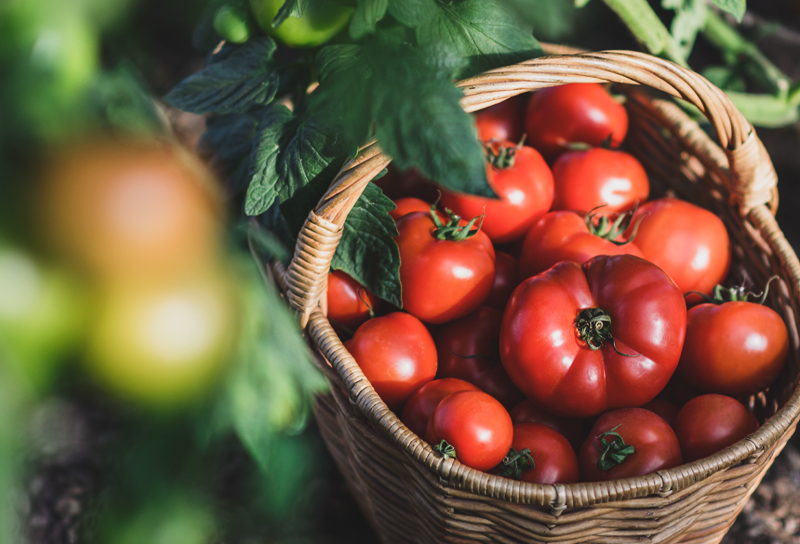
column 502, row 121
column 398, row 184
column 446, row 272
column 349, row 303
column 571, row 428
column 320, row 22
column 735, row 348
column 628, row 442
column 686, row 241
column 396, row 354
column 524, row 184
column 566, row 236
column 418, row 409
column 574, row 113
column 710, row 423
column 552, row 458
column 506, row 279
column 581, row 339
column 663, row 408
column 476, row 425
column 585, row 180
column 406, row 205
column 467, row 349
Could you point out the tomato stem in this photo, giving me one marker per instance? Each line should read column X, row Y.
column 515, row 462
column 451, row 230
column 361, row 292
column 614, row 452
column 445, row 449
column 611, row 231
column 734, row 294
column 503, row 156
column 594, row 328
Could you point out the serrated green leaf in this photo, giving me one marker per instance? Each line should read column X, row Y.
column 487, row 34
column 291, row 151
column 290, row 8
column 409, row 97
column 734, row 7
column 228, row 142
column 239, row 78
column 366, row 17
column 552, row 20
column 367, row 250
column 412, row 13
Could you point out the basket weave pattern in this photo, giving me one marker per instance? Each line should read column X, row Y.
column 410, row 493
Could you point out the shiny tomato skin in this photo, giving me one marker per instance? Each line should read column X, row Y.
column 442, row 280
column 655, row 445
column 554, row 459
column 506, row 279
column 563, row 236
column 406, row 205
column 503, row 121
column 663, row 408
column 525, row 192
column 573, row 113
column 418, row 409
column 476, row 425
column 735, row 349
column 571, row 428
column 710, row 423
column 542, row 353
column 396, row 354
column 596, row 177
column 476, row 334
column 686, row 241
column 349, row 302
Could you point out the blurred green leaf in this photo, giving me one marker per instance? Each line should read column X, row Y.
column 228, row 142
column 290, row 8
column 734, row 7
column 366, row 17
column 412, row 13
column 552, row 20
column 237, row 79
column 122, row 101
column 690, row 18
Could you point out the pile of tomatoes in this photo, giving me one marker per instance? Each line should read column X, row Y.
column 545, row 334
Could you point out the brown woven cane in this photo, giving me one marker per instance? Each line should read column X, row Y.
column 410, row 493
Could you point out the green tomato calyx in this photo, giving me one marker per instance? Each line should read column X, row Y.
column 451, row 230
column 502, row 156
column 614, row 452
column 601, row 225
column 738, row 293
column 515, row 462
column 445, row 449
column 594, row 328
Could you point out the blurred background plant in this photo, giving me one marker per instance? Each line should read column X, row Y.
column 153, row 385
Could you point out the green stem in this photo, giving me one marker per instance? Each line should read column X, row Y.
column 648, row 29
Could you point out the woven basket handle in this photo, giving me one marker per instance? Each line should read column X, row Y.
column 753, row 181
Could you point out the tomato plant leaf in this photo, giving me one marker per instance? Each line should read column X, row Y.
column 408, row 96
column 366, row 17
column 291, row 151
column 734, row 7
column 412, row 13
column 690, row 18
column 367, row 250
column 552, row 20
column 487, row 34
column 236, row 79
column 290, row 8
column 228, row 142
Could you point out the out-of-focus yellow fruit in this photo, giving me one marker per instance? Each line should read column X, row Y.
column 128, row 209
column 320, row 22
column 163, row 345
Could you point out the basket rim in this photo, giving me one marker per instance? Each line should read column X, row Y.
column 734, row 133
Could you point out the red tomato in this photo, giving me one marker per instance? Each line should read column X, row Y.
column 502, row 121
column 407, row 183
column 442, row 279
column 571, row 428
column 467, row 349
column 663, row 408
column 580, row 340
column 710, row 423
column 396, row 354
column 476, row 425
column 349, row 304
column 524, row 188
column 506, row 279
column 564, row 236
column 554, row 460
column 685, row 241
column 596, row 177
column 577, row 112
column 407, row 205
column 418, row 409
column 735, row 349
column 655, row 446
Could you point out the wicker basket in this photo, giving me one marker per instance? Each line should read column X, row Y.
column 411, row 494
